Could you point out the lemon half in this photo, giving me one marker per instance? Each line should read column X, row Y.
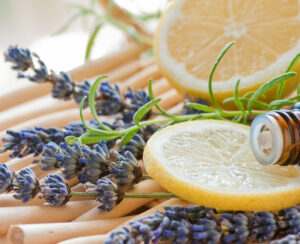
column 192, row 33
column 210, row 163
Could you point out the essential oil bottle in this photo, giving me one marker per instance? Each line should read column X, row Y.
column 275, row 137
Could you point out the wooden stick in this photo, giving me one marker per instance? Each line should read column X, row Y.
column 24, row 92
column 160, row 86
column 4, row 240
column 42, row 214
column 19, row 163
column 55, row 232
column 170, row 99
column 140, row 79
column 34, row 108
column 97, row 239
column 107, row 63
column 129, row 69
column 127, row 205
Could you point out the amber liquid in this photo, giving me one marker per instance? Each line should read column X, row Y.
column 289, row 122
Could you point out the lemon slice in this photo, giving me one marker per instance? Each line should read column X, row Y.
column 192, row 33
column 210, row 162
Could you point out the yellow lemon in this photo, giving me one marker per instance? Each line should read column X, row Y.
column 210, row 163
column 192, row 33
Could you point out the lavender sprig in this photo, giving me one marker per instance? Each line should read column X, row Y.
column 6, row 179
column 108, row 99
column 25, row 185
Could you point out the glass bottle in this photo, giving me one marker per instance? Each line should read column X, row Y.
column 275, row 137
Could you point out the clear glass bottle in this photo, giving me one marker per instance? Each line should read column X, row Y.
column 275, row 137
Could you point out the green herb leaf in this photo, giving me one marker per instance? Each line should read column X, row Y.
column 277, row 104
column 92, row 97
column 144, row 110
column 267, row 86
column 90, row 138
column 159, row 108
column 70, row 140
column 127, row 137
column 211, row 94
column 291, row 66
column 91, row 42
column 201, row 107
column 236, row 96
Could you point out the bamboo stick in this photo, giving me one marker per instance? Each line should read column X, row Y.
column 97, row 239
column 42, row 214
column 140, row 79
column 34, row 108
column 55, row 232
column 19, row 163
column 129, row 69
column 127, row 205
column 107, row 63
column 159, row 86
column 170, row 99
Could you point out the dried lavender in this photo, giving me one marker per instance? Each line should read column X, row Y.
column 188, row 110
column 33, row 140
column 263, row 226
column 95, row 163
column 108, row 99
column 235, row 227
column 136, row 146
column 49, row 160
column 70, row 159
column 25, row 185
column 55, row 192
column 126, row 170
column 6, row 179
column 136, row 100
column 109, row 194
column 290, row 220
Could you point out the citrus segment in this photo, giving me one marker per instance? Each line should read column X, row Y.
column 192, row 33
column 211, row 163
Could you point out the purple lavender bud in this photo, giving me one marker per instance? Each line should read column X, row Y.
column 26, row 185
column 95, row 163
column 56, row 192
column 63, row 87
column 290, row 220
column 187, row 110
column 49, row 160
column 109, row 194
column 126, row 170
column 20, row 58
column 136, row 146
column 6, row 179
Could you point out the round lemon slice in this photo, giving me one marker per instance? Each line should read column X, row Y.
column 192, row 33
column 210, row 163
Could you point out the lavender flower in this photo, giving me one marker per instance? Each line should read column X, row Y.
column 136, row 146
column 63, row 87
column 95, row 163
column 6, row 179
column 290, row 220
column 49, row 160
column 109, row 194
column 31, row 141
column 56, row 192
column 187, row 110
column 82, row 90
column 21, row 58
column 69, row 159
column 26, row 185
column 236, row 227
column 109, row 100
column 206, row 231
column 126, row 170
column 121, row 236
column 137, row 100
column 263, row 226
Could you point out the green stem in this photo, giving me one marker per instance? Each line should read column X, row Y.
column 146, row 177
